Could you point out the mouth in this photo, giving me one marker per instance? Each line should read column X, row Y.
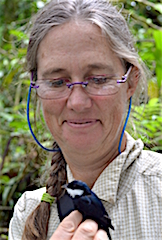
column 81, row 123
column 84, row 122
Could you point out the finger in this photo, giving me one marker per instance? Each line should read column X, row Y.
column 86, row 231
column 67, row 227
column 101, row 235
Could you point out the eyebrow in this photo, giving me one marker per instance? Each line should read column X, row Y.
column 53, row 70
column 100, row 66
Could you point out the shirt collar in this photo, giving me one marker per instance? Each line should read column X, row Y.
column 106, row 186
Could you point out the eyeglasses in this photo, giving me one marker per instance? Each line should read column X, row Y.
column 99, row 85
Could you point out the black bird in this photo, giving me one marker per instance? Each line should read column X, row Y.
column 78, row 196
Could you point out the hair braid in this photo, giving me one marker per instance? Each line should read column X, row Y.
column 36, row 226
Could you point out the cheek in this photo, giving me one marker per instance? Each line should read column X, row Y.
column 112, row 104
column 52, row 111
column 114, row 108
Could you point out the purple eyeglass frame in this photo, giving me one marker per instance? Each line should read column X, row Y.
column 84, row 84
column 124, row 78
column 32, row 85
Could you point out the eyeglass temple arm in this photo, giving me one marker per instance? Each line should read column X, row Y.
column 28, row 119
column 125, row 77
column 32, row 83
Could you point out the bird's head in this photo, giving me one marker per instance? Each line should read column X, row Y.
column 77, row 188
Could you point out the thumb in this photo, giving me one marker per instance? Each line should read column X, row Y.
column 67, row 227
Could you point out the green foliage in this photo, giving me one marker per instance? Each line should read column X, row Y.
column 145, row 21
column 21, row 160
column 147, row 124
column 158, row 56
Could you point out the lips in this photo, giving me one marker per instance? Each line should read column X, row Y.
column 84, row 121
column 81, row 122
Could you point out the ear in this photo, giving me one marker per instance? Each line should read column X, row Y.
column 133, row 81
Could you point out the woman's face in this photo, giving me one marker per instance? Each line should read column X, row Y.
column 82, row 123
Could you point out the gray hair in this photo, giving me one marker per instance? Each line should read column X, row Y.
column 99, row 12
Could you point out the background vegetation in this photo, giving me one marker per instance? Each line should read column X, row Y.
column 21, row 160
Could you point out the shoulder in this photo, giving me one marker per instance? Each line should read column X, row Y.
column 150, row 169
column 150, row 163
column 144, row 166
column 30, row 197
column 23, row 208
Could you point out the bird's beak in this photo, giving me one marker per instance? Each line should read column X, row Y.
column 64, row 186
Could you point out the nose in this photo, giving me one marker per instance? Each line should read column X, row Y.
column 79, row 100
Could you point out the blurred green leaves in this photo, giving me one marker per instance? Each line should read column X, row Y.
column 158, row 56
column 21, row 160
column 147, row 124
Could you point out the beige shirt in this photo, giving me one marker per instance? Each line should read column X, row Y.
column 130, row 189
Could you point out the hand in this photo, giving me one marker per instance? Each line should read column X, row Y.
column 71, row 228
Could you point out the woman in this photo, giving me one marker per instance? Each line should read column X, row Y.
column 86, row 70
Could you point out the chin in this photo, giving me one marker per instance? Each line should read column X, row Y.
column 81, row 147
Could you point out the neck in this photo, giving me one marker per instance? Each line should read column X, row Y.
column 87, row 168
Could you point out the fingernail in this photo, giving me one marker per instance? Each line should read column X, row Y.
column 102, row 235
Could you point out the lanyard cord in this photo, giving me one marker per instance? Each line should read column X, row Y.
column 29, row 124
column 125, row 124
column 56, row 150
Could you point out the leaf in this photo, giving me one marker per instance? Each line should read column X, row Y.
column 8, row 189
column 158, row 55
column 10, row 166
column 159, row 75
column 11, row 187
column 158, row 7
column 4, row 236
column 157, row 34
column 153, row 102
column 20, row 35
column 7, row 116
column 148, row 123
column 4, row 179
column 9, row 78
column 153, row 90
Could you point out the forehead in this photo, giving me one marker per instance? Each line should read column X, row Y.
column 75, row 42
column 74, row 32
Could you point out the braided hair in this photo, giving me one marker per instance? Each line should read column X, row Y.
column 36, row 226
